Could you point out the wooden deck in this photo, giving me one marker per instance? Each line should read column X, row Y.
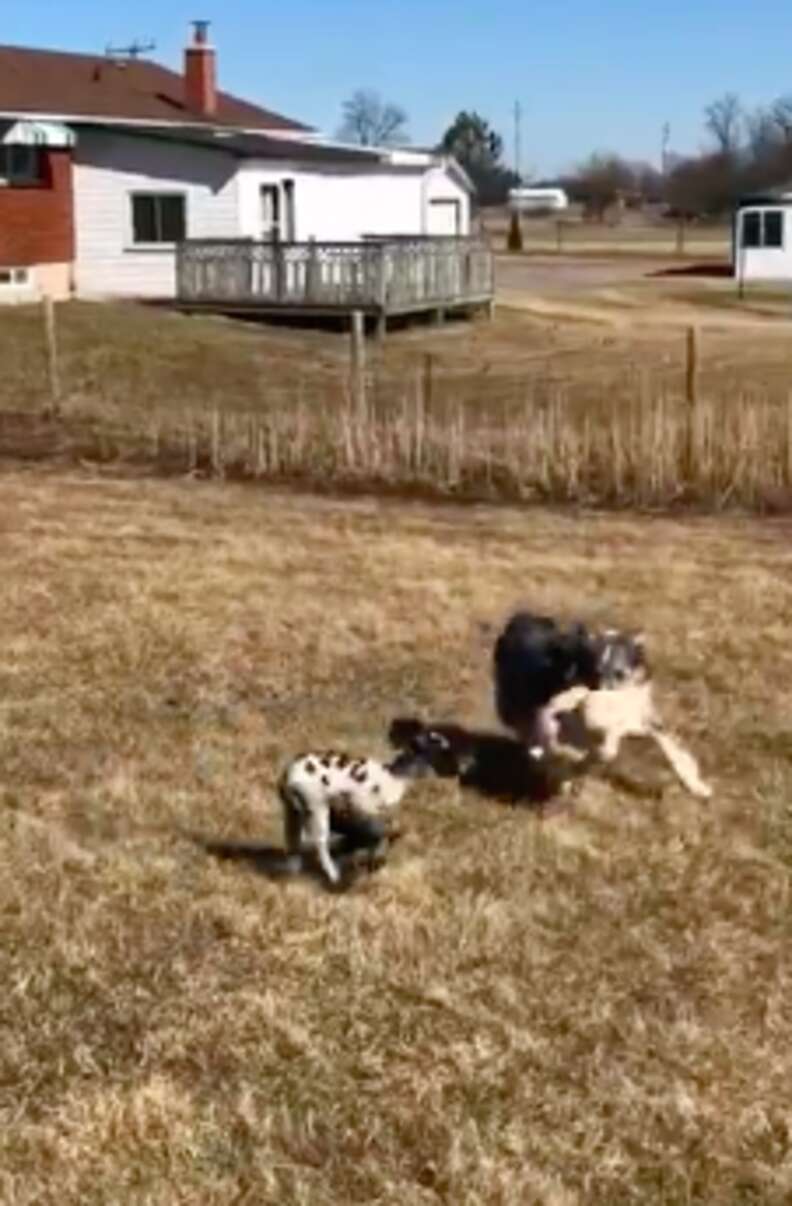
column 379, row 277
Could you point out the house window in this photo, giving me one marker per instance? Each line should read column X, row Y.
column 13, row 276
column 19, row 165
column 159, row 217
column 763, row 228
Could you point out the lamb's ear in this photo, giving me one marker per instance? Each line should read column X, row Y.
column 403, row 730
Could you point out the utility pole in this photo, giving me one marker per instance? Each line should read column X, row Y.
column 664, row 149
column 517, row 140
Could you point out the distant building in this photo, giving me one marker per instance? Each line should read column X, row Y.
column 762, row 237
column 527, row 199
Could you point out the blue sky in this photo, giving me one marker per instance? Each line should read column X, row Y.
column 590, row 74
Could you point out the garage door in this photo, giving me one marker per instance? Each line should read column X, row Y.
column 443, row 217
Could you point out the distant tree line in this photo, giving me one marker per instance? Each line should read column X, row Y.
column 747, row 152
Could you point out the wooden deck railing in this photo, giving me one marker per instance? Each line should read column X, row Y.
column 383, row 276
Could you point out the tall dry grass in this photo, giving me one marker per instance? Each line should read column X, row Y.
column 588, row 1011
column 587, row 425
column 546, row 444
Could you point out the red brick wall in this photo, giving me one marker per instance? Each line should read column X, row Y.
column 37, row 221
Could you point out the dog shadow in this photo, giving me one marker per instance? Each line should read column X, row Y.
column 499, row 768
column 492, row 765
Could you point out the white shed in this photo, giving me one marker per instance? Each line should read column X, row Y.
column 762, row 238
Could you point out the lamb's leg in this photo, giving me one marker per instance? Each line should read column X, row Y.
column 319, row 835
column 361, row 832
column 682, row 762
column 292, row 831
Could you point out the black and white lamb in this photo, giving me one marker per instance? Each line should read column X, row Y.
column 327, row 795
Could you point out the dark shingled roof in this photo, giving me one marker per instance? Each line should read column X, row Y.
column 85, row 85
column 254, row 146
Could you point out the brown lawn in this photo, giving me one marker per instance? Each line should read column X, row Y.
column 579, row 1010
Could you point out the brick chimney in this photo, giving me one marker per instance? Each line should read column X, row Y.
column 200, row 69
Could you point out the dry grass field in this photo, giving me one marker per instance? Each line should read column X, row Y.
column 634, row 234
column 587, row 1009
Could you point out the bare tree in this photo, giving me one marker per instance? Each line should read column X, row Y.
column 370, row 121
column 723, row 119
column 781, row 117
column 705, row 187
column 600, row 180
column 762, row 133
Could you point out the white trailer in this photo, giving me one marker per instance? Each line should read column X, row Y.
column 523, row 200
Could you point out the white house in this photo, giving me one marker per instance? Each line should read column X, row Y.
column 129, row 158
column 762, row 238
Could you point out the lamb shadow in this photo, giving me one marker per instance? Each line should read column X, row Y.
column 271, row 862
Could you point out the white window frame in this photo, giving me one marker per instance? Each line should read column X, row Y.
column 22, row 165
column 154, row 192
column 761, row 212
column 14, row 278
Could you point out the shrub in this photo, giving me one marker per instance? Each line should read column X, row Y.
column 515, row 239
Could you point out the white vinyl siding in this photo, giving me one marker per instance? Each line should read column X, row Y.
column 344, row 205
column 110, row 169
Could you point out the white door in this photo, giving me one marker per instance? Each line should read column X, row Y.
column 444, row 216
column 269, row 213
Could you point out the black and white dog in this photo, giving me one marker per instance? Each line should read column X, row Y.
column 577, row 694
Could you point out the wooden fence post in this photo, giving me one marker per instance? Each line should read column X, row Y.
column 680, row 237
column 53, row 372
column 428, row 378
column 691, row 366
column 357, row 357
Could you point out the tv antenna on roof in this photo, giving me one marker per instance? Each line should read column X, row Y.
column 134, row 51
